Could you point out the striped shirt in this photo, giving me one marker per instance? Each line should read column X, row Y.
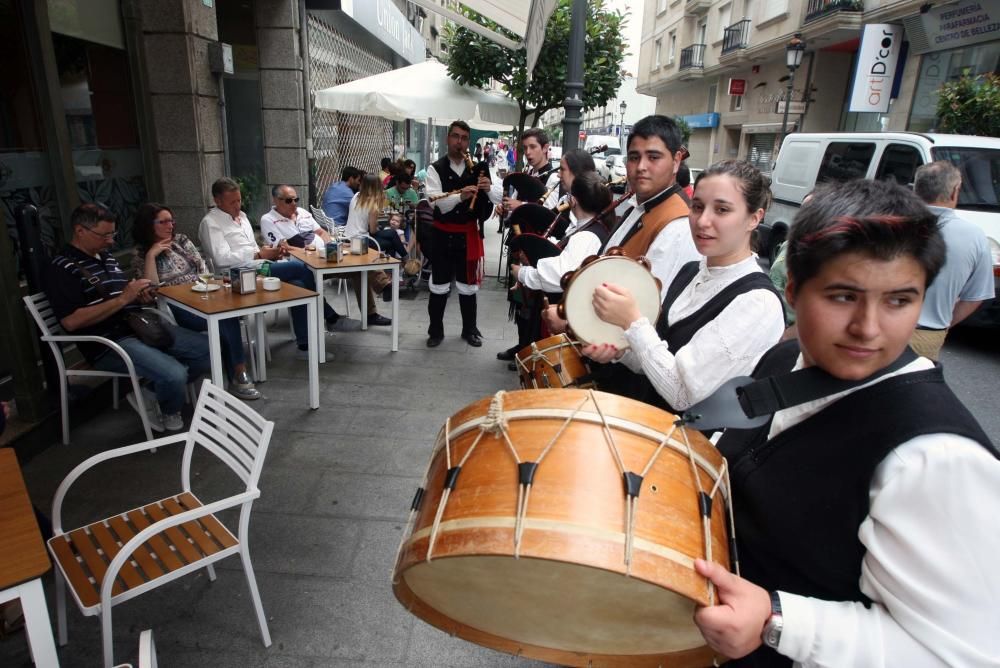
column 69, row 289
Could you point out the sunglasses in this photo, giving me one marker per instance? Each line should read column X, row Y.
column 290, row 200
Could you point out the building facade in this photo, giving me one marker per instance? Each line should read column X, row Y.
column 691, row 50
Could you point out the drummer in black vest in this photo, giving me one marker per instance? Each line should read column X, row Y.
column 720, row 313
column 456, row 249
column 866, row 518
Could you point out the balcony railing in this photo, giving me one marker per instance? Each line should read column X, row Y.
column 692, row 57
column 818, row 8
column 736, row 36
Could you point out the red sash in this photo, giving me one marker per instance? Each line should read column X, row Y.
column 475, row 267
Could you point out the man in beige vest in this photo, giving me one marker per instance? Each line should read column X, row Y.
column 656, row 226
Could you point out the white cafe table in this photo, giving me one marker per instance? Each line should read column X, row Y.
column 23, row 560
column 226, row 303
column 348, row 265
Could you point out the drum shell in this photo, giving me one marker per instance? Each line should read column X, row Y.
column 578, row 487
column 553, row 362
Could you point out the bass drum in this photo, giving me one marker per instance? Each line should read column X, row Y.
column 578, row 293
column 524, row 538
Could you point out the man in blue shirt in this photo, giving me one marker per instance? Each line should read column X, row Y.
column 337, row 198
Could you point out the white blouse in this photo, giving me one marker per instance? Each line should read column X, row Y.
column 728, row 346
column 549, row 272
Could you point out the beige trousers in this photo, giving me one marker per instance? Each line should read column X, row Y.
column 928, row 342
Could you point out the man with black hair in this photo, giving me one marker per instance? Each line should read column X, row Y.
column 535, row 144
column 456, row 236
column 337, row 198
column 91, row 295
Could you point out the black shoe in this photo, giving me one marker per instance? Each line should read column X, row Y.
column 473, row 339
column 508, row 355
column 332, row 320
column 378, row 320
column 512, row 366
column 434, row 341
column 387, row 293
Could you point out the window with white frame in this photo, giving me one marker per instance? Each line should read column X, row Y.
column 657, row 48
column 770, row 9
column 661, row 6
column 672, row 49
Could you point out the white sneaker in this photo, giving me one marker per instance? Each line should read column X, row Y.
column 173, row 422
column 152, row 411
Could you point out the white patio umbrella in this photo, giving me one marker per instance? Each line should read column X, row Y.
column 419, row 92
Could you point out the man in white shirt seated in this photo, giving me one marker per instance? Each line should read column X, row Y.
column 287, row 220
column 227, row 238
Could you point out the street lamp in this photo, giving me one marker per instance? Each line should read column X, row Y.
column 622, row 107
column 793, row 58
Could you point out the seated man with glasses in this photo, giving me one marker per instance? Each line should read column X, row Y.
column 289, row 222
column 227, row 237
column 91, row 295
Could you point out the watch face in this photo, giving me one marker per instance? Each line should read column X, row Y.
column 771, row 635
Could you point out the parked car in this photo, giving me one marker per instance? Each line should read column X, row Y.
column 615, row 165
column 807, row 159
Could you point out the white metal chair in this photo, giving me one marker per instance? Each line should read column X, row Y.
column 53, row 334
column 118, row 558
column 147, row 651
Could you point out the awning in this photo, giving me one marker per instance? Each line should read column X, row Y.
column 526, row 18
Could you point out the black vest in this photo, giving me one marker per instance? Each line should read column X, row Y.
column 594, row 226
column 679, row 334
column 800, row 498
column 452, row 181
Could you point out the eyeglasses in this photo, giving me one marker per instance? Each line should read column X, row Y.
column 165, row 221
column 290, row 200
column 107, row 235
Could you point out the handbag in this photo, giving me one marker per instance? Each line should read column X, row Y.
column 147, row 325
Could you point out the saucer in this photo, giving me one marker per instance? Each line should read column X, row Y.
column 201, row 287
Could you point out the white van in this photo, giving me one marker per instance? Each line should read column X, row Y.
column 613, row 148
column 808, row 159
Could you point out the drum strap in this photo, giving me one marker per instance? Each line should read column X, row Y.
column 745, row 403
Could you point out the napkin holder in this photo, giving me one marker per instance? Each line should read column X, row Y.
column 359, row 246
column 243, row 280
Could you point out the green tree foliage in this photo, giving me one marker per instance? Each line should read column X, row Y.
column 970, row 105
column 474, row 60
column 685, row 129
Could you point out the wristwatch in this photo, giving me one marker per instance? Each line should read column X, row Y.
column 771, row 634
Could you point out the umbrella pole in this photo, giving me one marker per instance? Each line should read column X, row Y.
column 427, row 142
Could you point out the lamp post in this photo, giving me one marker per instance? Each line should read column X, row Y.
column 793, row 58
column 622, row 107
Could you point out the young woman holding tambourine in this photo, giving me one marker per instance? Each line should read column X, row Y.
column 719, row 315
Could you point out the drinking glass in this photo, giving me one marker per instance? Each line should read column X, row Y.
column 206, row 277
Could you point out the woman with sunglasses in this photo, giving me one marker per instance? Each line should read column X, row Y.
column 166, row 258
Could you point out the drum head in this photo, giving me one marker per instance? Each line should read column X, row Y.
column 623, row 271
column 595, row 611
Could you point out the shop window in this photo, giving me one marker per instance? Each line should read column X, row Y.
column 844, row 161
column 100, row 117
column 761, row 152
column 898, row 163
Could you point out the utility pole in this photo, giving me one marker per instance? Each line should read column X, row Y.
column 574, row 76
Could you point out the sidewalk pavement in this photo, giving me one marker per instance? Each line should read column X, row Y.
column 335, row 495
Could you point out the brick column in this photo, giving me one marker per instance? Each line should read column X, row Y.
column 184, row 99
column 281, row 85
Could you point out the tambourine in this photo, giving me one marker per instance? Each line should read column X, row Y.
column 578, row 292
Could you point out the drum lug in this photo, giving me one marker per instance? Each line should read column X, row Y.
column 561, row 311
column 417, row 499
column 616, row 251
column 566, row 278
column 644, row 261
column 633, row 484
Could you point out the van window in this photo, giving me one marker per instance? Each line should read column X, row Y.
column 980, row 169
column 797, row 166
column 899, row 162
column 844, row 161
